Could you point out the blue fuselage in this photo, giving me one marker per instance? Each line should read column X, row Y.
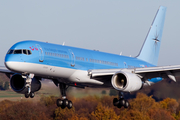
column 59, row 61
column 71, row 57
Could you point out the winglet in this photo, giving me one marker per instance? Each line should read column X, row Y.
column 150, row 49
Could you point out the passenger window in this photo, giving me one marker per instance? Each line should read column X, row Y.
column 17, row 51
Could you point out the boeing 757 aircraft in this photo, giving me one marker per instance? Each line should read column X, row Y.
column 29, row 61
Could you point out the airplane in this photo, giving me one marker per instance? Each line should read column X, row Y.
column 27, row 62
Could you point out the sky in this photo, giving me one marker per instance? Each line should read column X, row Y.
column 112, row 26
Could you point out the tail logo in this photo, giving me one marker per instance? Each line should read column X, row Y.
column 156, row 39
column 156, row 36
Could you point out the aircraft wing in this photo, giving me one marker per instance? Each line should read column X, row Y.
column 146, row 72
column 3, row 69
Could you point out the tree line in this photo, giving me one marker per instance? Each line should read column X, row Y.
column 4, row 82
column 142, row 107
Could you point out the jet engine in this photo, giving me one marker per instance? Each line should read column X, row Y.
column 18, row 84
column 126, row 81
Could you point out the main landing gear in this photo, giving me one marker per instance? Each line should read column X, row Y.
column 121, row 102
column 64, row 102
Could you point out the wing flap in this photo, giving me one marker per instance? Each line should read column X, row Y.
column 157, row 69
column 161, row 71
column 102, row 72
column 146, row 73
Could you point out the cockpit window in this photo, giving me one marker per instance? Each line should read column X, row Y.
column 20, row 51
column 29, row 52
column 10, row 52
column 17, row 51
column 24, row 51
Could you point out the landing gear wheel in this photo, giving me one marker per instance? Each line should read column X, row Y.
column 122, row 102
column 59, row 102
column 65, row 102
column 63, row 106
column 69, row 105
column 119, row 106
column 115, row 102
column 32, row 95
column 126, row 105
column 26, row 95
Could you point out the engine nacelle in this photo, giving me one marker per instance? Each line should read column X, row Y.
column 18, row 84
column 126, row 81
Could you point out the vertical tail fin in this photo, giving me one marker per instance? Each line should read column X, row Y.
column 150, row 49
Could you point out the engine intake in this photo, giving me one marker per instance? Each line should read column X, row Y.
column 18, row 84
column 126, row 81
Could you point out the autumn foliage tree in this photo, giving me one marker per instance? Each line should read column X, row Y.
column 103, row 113
column 142, row 107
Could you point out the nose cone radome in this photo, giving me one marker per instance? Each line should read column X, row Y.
column 8, row 65
column 11, row 63
column 14, row 66
column 6, row 60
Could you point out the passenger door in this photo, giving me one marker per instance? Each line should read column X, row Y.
column 72, row 57
column 41, row 54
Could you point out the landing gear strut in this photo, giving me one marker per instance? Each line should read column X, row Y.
column 121, row 102
column 28, row 86
column 64, row 102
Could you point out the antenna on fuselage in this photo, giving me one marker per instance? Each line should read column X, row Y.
column 120, row 53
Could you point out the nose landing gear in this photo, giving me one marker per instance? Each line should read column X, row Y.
column 29, row 93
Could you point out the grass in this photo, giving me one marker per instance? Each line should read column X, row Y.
column 9, row 94
column 79, row 93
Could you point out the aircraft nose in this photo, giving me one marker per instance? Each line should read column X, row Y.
column 11, row 62
column 8, row 62
column 8, row 65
